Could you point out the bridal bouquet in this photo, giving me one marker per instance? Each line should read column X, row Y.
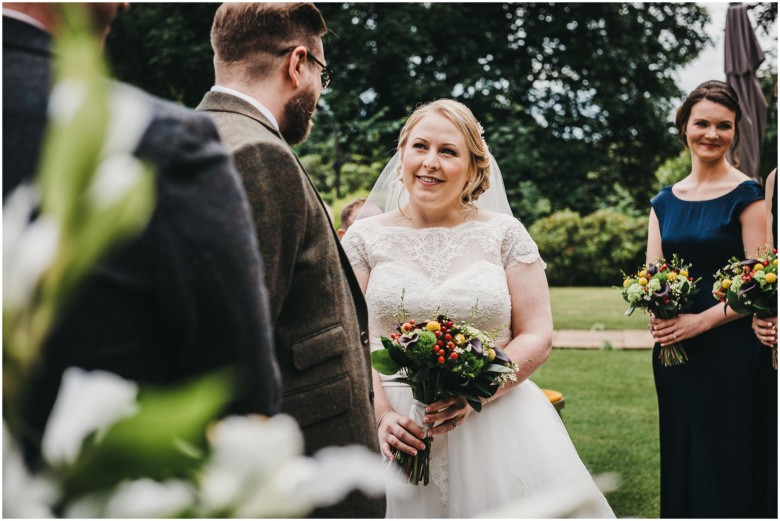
column 441, row 359
column 749, row 287
column 664, row 290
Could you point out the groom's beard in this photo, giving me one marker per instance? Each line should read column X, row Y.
column 297, row 116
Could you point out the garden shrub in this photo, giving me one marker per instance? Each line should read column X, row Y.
column 590, row 250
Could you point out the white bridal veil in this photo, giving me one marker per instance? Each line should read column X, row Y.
column 389, row 192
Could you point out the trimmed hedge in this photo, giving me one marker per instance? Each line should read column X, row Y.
column 590, row 250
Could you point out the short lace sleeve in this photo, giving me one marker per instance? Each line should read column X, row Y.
column 354, row 243
column 518, row 246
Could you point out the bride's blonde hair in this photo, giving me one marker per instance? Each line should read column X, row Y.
column 463, row 119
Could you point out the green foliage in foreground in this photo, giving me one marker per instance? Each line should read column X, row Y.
column 612, row 417
column 592, row 308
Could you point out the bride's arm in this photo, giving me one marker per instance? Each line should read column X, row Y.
column 395, row 431
column 532, row 325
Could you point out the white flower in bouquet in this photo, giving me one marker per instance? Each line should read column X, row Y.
column 87, row 402
column 635, row 294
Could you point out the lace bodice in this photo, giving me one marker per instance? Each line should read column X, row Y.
column 449, row 270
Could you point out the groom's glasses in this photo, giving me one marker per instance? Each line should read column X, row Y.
column 325, row 74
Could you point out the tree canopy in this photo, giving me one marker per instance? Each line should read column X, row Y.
column 575, row 98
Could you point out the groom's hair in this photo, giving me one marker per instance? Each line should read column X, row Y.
column 718, row 92
column 256, row 35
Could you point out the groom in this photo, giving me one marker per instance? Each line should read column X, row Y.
column 270, row 71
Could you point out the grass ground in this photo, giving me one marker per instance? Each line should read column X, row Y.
column 612, row 418
column 592, row 308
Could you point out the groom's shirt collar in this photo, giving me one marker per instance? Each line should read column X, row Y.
column 249, row 99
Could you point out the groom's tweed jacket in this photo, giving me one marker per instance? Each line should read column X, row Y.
column 317, row 307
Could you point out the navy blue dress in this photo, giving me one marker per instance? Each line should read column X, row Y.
column 717, row 412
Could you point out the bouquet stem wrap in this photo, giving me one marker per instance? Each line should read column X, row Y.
column 672, row 354
column 417, row 467
column 774, row 347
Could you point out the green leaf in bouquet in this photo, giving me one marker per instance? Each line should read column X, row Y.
column 387, row 343
column 398, row 355
column 629, row 311
column 383, row 362
column 150, row 443
column 734, row 303
column 475, row 404
column 498, row 368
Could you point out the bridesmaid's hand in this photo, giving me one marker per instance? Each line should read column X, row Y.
column 447, row 414
column 677, row 329
column 397, row 431
column 766, row 330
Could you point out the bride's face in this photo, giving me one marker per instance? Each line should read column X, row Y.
column 435, row 163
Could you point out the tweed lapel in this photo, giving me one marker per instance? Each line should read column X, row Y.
column 222, row 102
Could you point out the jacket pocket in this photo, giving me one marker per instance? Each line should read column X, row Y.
column 320, row 346
column 320, row 402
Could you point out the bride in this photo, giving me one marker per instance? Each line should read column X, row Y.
column 438, row 248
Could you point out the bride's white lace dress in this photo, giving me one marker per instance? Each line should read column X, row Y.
column 517, row 447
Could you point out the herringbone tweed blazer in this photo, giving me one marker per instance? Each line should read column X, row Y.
column 317, row 308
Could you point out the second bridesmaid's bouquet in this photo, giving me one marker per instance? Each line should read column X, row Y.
column 749, row 287
column 664, row 290
column 438, row 359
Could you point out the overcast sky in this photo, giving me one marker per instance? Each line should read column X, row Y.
column 709, row 64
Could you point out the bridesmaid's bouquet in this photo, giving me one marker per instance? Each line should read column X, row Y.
column 749, row 287
column 664, row 290
column 440, row 359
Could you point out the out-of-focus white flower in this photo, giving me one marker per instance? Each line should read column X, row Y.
column 246, row 452
column 145, row 498
column 28, row 247
column 304, row 484
column 87, row 402
column 67, row 97
column 257, row 470
column 139, row 499
column 130, row 113
column 24, row 496
column 114, row 177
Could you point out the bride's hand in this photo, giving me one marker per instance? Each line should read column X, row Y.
column 397, row 431
column 446, row 414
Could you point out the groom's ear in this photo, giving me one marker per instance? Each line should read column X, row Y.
column 295, row 65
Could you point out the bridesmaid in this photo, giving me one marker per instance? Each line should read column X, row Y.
column 717, row 438
column 766, row 328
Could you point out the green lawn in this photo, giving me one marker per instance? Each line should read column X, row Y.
column 592, row 308
column 611, row 415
